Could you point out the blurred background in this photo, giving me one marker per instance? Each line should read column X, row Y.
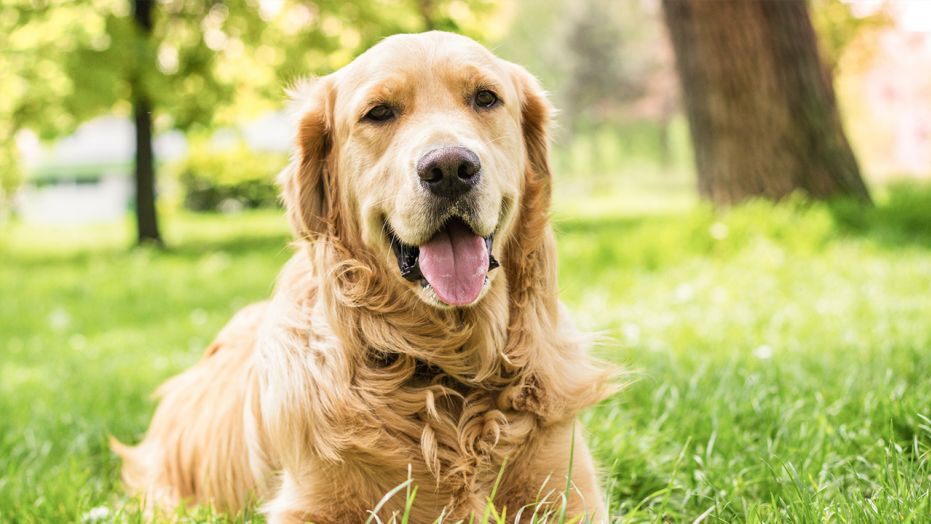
column 207, row 80
column 742, row 199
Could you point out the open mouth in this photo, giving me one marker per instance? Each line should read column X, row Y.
column 455, row 262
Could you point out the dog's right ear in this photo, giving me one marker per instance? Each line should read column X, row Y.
column 303, row 182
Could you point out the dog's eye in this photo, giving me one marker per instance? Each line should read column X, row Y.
column 486, row 99
column 379, row 113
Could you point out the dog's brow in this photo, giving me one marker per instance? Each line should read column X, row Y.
column 384, row 89
column 476, row 77
column 370, row 93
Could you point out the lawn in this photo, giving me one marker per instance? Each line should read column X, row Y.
column 779, row 356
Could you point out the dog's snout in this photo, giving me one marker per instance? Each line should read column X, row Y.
column 449, row 171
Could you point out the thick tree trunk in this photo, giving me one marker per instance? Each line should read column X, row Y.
column 146, row 216
column 760, row 104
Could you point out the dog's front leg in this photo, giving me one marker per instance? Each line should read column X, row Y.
column 297, row 501
column 537, row 481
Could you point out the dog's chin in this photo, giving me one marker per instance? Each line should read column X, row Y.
column 452, row 269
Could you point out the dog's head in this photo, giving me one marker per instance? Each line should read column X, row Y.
column 420, row 152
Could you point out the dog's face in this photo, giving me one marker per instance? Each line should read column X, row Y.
column 425, row 138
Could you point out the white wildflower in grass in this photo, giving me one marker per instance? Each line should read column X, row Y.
column 631, row 332
column 764, row 352
column 59, row 319
column 684, row 293
column 718, row 231
column 199, row 317
column 77, row 342
column 98, row 514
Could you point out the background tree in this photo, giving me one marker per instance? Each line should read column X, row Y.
column 609, row 69
column 146, row 218
column 620, row 69
column 759, row 101
column 177, row 64
column 837, row 27
column 168, row 64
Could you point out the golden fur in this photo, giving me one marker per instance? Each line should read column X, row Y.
column 321, row 400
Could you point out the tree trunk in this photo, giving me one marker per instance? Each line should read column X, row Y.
column 146, row 216
column 427, row 9
column 760, row 104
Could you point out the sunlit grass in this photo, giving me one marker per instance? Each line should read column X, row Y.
column 781, row 354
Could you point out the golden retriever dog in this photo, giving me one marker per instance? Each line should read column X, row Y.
column 416, row 334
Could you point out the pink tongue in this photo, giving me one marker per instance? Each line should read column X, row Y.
column 455, row 262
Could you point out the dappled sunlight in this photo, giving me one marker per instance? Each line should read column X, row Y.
column 731, row 326
column 740, row 200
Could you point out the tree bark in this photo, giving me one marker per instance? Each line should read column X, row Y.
column 760, row 103
column 427, row 9
column 146, row 215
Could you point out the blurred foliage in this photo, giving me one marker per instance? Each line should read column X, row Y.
column 904, row 217
column 10, row 173
column 206, row 64
column 837, row 26
column 609, row 68
column 615, row 51
column 631, row 149
column 210, row 64
column 75, row 59
column 604, row 62
column 233, row 177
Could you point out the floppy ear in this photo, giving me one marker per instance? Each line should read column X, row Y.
column 530, row 259
column 536, row 114
column 303, row 182
column 552, row 375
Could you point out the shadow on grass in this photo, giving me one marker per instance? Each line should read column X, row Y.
column 233, row 245
column 570, row 226
column 902, row 219
column 191, row 248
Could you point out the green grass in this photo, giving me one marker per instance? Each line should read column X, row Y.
column 780, row 355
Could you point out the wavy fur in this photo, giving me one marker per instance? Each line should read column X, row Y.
column 321, row 400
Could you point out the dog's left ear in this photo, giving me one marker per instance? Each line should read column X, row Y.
column 536, row 115
column 304, row 181
column 530, row 261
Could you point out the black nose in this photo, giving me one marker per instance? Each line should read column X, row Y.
column 449, row 171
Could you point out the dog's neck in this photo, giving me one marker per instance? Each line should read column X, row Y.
column 509, row 344
column 352, row 343
column 376, row 313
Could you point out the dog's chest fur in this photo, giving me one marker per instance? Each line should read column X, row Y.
column 451, row 439
column 354, row 406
